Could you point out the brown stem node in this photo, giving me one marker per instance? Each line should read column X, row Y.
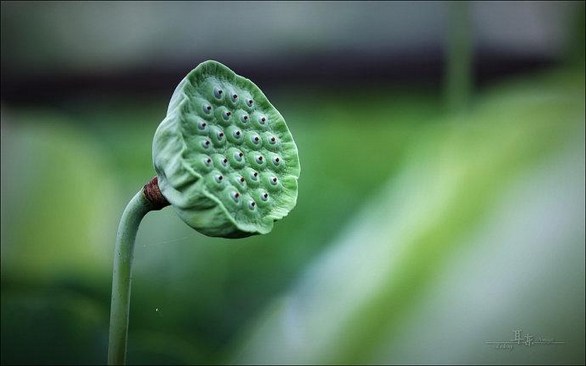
column 152, row 193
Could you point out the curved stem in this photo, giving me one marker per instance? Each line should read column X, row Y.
column 136, row 209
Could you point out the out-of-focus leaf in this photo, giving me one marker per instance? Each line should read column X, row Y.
column 57, row 200
column 447, row 208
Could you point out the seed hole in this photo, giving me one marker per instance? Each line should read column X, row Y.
column 252, row 205
column 208, row 161
column 224, row 161
column 219, row 178
column 273, row 140
column 218, row 93
column 234, row 96
column 207, row 109
column 250, row 102
column 238, row 155
column 220, row 135
column 265, row 196
column 274, row 180
column 206, row 144
column 241, row 179
column 202, row 125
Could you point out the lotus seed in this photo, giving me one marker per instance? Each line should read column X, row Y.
column 207, row 108
column 252, row 142
column 234, row 97
column 207, row 161
column 272, row 140
column 244, row 118
column 218, row 93
column 265, row 196
column 202, row 125
column 217, row 136
column 234, row 134
column 238, row 155
column 206, row 143
column 274, row 180
column 276, row 160
column 251, row 205
column 255, row 139
column 250, row 102
column 219, row 178
column 235, row 196
column 226, row 115
column 252, row 176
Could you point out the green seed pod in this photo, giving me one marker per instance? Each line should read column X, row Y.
column 224, row 157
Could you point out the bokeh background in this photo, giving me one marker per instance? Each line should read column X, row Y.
column 441, row 199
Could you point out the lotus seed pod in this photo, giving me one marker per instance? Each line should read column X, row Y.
column 224, row 156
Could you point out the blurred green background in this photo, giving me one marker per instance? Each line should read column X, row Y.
column 441, row 199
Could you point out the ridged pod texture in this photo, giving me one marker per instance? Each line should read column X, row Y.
column 224, row 157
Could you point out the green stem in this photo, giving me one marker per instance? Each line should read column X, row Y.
column 136, row 209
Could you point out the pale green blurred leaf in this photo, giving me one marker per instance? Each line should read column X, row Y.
column 57, row 200
column 502, row 181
